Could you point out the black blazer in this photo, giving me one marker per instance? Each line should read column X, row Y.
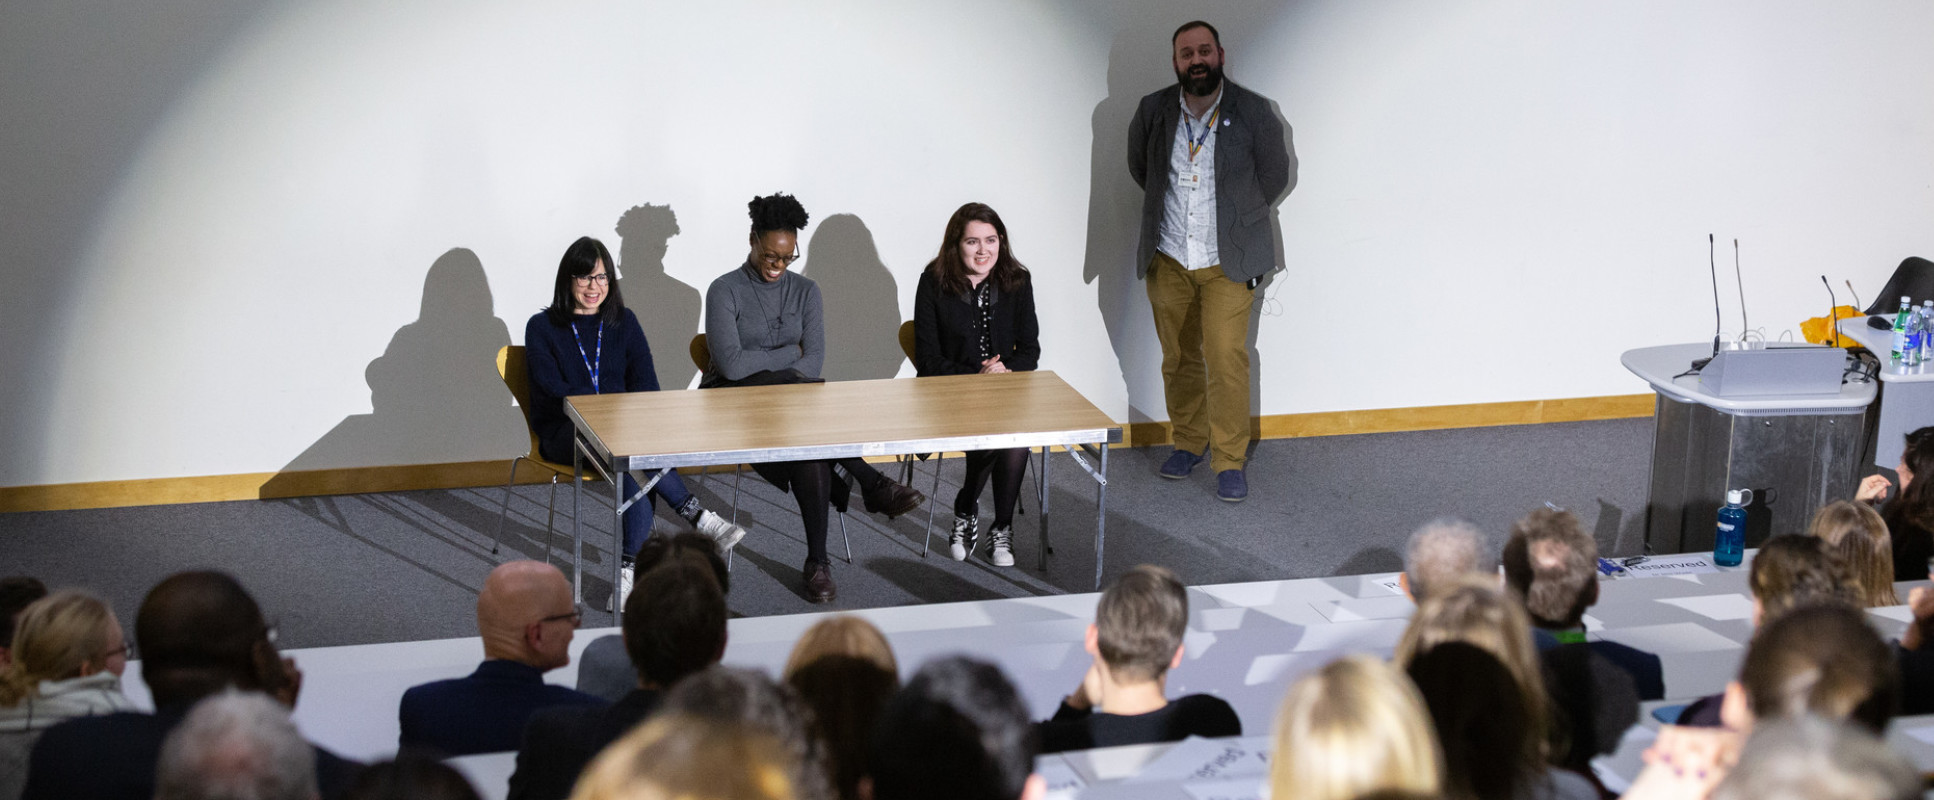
column 1255, row 167
column 560, row 742
column 113, row 756
column 943, row 329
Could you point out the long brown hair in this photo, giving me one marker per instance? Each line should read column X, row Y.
column 1008, row 273
column 1915, row 504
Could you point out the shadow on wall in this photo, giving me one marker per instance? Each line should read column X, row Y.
column 434, row 391
column 862, row 301
column 1139, row 63
column 667, row 308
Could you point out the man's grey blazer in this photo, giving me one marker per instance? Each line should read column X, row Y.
column 1254, row 167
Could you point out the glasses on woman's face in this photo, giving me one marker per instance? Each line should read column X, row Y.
column 777, row 260
column 586, row 280
column 125, row 651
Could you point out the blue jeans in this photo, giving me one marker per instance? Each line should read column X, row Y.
column 637, row 519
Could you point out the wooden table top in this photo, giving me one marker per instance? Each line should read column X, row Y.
column 750, row 424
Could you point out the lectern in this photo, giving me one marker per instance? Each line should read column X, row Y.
column 1796, row 452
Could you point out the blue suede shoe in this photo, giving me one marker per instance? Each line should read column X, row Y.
column 1231, row 486
column 1179, row 464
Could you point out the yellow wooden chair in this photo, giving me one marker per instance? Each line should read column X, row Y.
column 511, row 368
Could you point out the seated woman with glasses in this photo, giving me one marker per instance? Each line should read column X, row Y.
column 763, row 326
column 68, row 656
column 973, row 313
column 587, row 342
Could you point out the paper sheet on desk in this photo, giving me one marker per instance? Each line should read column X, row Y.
column 1199, row 759
column 1061, row 777
column 1683, row 564
column 1715, row 606
column 1237, row 789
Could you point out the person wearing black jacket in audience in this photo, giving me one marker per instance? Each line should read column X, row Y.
column 973, row 313
column 1551, row 565
column 1910, row 514
column 1136, row 639
column 674, row 626
column 198, row 633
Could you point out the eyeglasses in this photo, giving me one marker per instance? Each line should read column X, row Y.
column 575, row 615
column 784, row 261
column 601, row 279
column 125, row 651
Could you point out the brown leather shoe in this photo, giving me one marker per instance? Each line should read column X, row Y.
column 819, row 582
column 893, row 499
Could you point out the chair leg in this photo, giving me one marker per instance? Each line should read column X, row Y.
column 503, row 509
column 845, row 538
column 550, row 519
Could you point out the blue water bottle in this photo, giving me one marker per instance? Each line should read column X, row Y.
column 1729, row 543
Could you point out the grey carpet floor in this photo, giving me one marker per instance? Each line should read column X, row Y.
column 406, row 566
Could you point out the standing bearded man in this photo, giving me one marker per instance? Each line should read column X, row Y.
column 1211, row 160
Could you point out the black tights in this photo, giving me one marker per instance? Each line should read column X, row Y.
column 1007, row 468
column 811, row 483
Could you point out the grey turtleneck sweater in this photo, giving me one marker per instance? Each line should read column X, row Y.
column 753, row 326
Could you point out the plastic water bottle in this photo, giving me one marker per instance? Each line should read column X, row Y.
column 1916, row 337
column 1729, row 542
column 1927, row 331
column 1900, row 326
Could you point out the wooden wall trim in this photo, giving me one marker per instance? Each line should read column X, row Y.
column 271, row 485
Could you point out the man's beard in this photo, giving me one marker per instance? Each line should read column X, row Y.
column 1199, row 84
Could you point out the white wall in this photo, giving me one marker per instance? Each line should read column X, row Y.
column 221, row 217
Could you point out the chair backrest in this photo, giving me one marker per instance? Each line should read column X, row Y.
column 906, row 339
column 701, row 353
column 517, row 378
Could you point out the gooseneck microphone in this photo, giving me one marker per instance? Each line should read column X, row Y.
column 1713, row 265
column 1833, row 307
column 1744, row 326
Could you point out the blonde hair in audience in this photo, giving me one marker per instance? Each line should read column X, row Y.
column 1475, row 611
column 1353, row 727
column 1856, row 531
column 842, row 635
column 679, row 756
column 57, row 637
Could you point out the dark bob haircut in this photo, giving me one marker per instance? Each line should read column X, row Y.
column 579, row 260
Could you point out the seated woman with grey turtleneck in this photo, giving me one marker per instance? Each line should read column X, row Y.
column 763, row 326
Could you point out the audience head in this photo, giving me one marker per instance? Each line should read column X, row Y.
column 1353, row 727
column 1791, row 571
column 525, row 614
column 200, row 632
column 65, row 635
column 979, row 222
column 776, row 222
column 1823, row 660
column 844, row 669
column 410, row 777
column 1551, row 565
column 676, row 756
column 674, row 622
column 16, row 593
column 1856, row 532
column 236, row 744
column 1808, row 758
column 580, row 261
column 1491, row 738
column 957, row 731
column 1139, row 624
column 1443, row 550
column 748, row 698
column 1476, row 612
column 688, row 545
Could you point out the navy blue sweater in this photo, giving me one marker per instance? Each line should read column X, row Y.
column 557, row 371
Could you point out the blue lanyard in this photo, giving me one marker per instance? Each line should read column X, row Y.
column 591, row 364
column 1208, row 127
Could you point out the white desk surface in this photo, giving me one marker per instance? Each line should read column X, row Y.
column 1882, row 343
column 1246, row 642
column 1661, row 367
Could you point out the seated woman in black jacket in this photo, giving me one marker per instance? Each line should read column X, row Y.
column 1910, row 514
column 974, row 313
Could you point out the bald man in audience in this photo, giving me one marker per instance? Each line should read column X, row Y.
column 526, row 618
column 1443, row 550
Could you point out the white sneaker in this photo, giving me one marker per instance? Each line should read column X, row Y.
column 1002, row 551
column 966, row 534
column 624, row 588
column 720, row 530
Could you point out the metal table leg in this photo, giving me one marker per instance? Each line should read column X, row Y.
column 1041, row 485
column 577, row 536
column 618, row 505
column 1101, row 513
